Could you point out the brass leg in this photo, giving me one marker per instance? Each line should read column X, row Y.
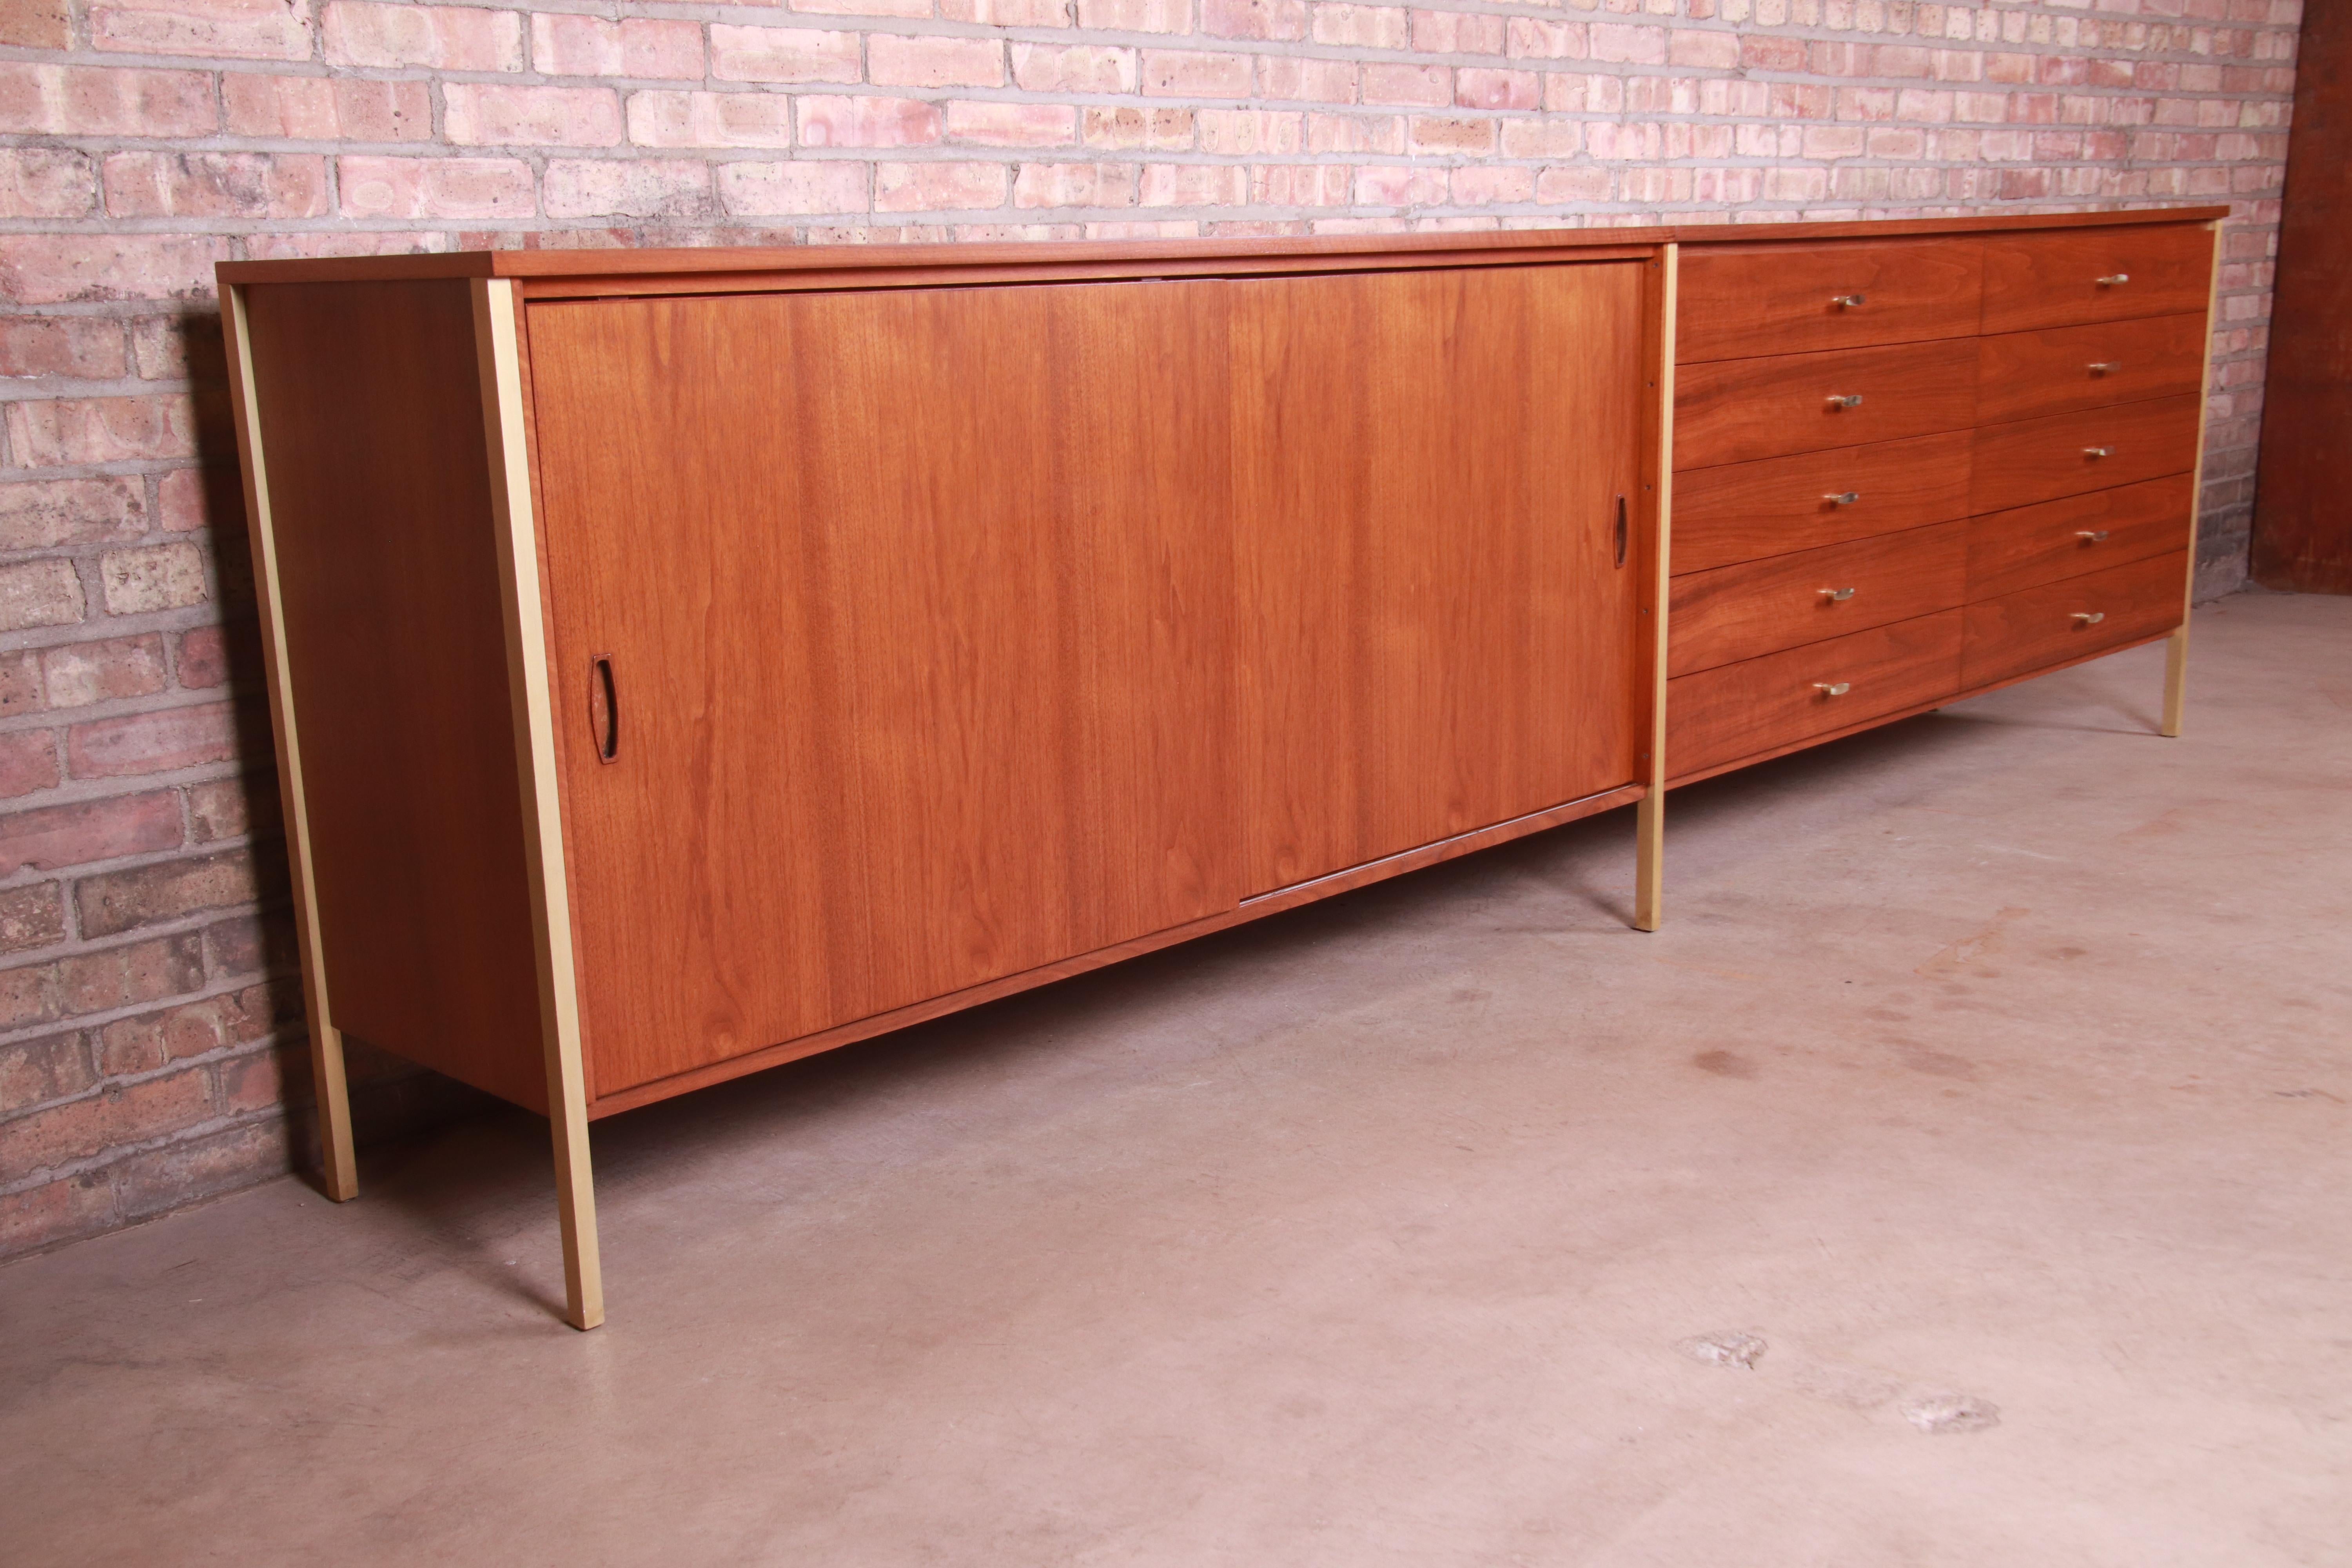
column 2176, row 679
column 576, row 1196
column 1650, row 860
column 338, row 1167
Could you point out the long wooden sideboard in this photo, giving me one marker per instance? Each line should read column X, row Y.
column 685, row 661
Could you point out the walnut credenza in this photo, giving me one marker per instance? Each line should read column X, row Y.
column 686, row 661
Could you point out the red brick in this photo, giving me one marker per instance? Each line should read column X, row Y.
column 52, row 836
column 78, row 674
column 62, row 1210
column 1441, row 134
column 324, row 109
column 778, row 189
column 865, row 7
column 665, row 118
column 868, row 122
column 566, row 45
column 232, row 29
column 478, row 115
column 782, row 54
column 1355, row 134
column 82, row 347
column 140, row 743
column 674, row 188
column 1307, row 81
column 43, row 514
column 940, row 187
column 1458, row 33
column 1704, row 50
column 1364, row 27
column 115, row 901
column 130, row 975
column 1183, row 73
column 231, row 808
column 29, row 761
column 1008, row 12
column 189, row 499
column 434, row 188
column 152, row 1040
column 46, row 182
column 991, row 124
column 1480, row 89
column 1302, row 185
column 1533, row 38
column 1247, row 132
column 892, row 61
column 179, row 348
column 31, row 916
column 190, row 1168
column 71, row 430
column 33, row 1072
column 1397, row 185
column 1194, row 185
column 1127, row 126
column 215, row 185
column 39, row 593
column 120, row 1114
column 1282, row 19
column 1076, row 186
column 35, row 25
column 254, row 1080
column 83, row 101
column 445, row 37
column 20, row 684
column 1076, row 68
column 52, row 269
column 158, row 577
column 1136, row 15
column 1428, row 86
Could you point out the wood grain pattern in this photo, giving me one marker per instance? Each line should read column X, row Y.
column 378, row 479
column 1740, row 300
column 2024, row 631
column 1739, row 410
column 1744, row 511
column 2041, row 459
column 1757, row 607
column 1736, row 711
column 1435, row 632
column 919, row 609
column 2026, row 375
column 2009, row 551
column 2037, row 280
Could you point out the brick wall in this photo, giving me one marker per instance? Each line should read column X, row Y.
column 148, row 1034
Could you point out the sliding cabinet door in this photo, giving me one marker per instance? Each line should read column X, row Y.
column 1436, row 625
column 905, row 618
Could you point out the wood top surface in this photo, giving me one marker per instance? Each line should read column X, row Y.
column 673, row 263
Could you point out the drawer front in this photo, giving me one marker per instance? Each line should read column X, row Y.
column 2060, row 279
column 2024, row 375
column 2066, row 454
column 1745, row 511
column 2019, row 633
column 1734, row 302
column 1761, row 704
column 1763, row 606
column 2060, row 539
column 1737, row 410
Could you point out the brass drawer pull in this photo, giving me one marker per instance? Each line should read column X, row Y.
column 2104, row 367
column 2111, row 279
column 1833, row 689
column 1847, row 302
column 2092, row 535
column 2098, row 451
column 1837, row 596
column 1844, row 498
column 2090, row 617
column 1845, row 400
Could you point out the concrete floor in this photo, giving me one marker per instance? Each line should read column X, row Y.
column 1992, row 1071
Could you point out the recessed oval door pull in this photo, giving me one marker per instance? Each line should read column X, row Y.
column 2092, row 535
column 1845, row 400
column 2090, row 617
column 1833, row 687
column 604, row 709
column 1837, row 596
column 2104, row 367
column 1844, row 498
column 2113, row 279
column 1620, row 531
column 1847, row 302
column 2098, row 451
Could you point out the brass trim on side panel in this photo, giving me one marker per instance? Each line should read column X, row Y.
column 2176, row 650
column 1650, row 817
column 338, row 1174
column 498, row 345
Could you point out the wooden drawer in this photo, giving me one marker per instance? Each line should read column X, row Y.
column 1760, row 705
column 2058, row 279
column 2023, row 376
column 2066, row 454
column 2038, row 628
column 1735, row 301
column 1737, row 410
column 2060, row 539
column 1744, row 511
column 1763, row 606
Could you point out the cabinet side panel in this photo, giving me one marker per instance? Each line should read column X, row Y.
column 370, row 412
